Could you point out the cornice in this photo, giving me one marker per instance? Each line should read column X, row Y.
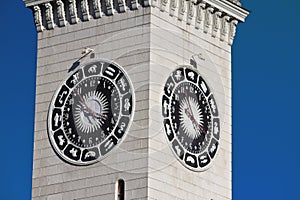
column 230, row 8
column 218, row 18
column 30, row 3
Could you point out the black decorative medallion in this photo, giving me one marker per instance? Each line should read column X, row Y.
column 191, row 118
column 90, row 112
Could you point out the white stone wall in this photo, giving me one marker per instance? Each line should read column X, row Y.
column 124, row 39
column 148, row 46
column 173, row 44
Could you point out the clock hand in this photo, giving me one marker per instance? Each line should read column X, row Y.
column 192, row 115
column 100, row 115
column 87, row 115
column 90, row 111
column 187, row 98
column 195, row 125
column 85, row 105
column 95, row 114
column 199, row 126
column 192, row 118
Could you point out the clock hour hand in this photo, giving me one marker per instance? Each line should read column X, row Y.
column 90, row 111
column 187, row 99
column 95, row 114
column 192, row 118
column 86, row 108
column 191, row 115
column 87, row 116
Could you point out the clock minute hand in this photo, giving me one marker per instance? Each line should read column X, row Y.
column 99, row 115
column 90, row 111
column 187, row 98
column 192, row 115
column 195, row 121
column 86, row 107
column 199, row 126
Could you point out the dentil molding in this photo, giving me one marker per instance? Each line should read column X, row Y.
column 218, row 18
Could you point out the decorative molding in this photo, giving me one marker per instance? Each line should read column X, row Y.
column 109, row 7
column 134, row 4
column 97, row 8
column 38, row 19
column 232, row 31
column 216, row 23
column 190, row 12
column 30, row 3
column 146, row 3
column 121, row 4
column 73, row 12
column 218, row 18
column 208, row 19
column 224, row 27
column 49, row 16
column 200, row 15
column 85, row 10
column 154, row 3
column 163, row 4
column 230, row 8
column 61, row 13
column 237, row 2
column 173, row 6
column 181, row 9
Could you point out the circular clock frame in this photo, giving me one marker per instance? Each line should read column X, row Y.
column 90, row 112
column 191, row 118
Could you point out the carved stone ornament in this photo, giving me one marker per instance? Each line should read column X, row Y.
column 232, row 31
column 146, row 3
column 61, row 13
column 121, row 4
column 73, row 12
column 85, row 10
column 38, row 19
column 173, row 6
column 49, row 16
column 216, row 23
column 208, row 19
column 224, row 27
column 181, row 9
column 109, row 7
column 219, row 21
column 237, row 2
column 134, row 4
column 153, row 3
column 190, row 11
column 97, row 8
column 163, row 4
column 200, row 15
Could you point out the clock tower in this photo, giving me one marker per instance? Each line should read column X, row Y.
column 133, row 99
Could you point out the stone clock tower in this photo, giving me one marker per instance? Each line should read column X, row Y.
column 133, row 99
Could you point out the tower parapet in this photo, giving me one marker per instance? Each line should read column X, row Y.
column 216, row 17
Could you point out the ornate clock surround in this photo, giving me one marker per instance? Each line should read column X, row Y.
column 90, row 112
column 191, row 118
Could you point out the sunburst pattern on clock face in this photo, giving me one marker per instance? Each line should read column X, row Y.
column 90, row 112
column 191, row 118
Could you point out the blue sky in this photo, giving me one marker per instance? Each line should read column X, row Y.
column 266, row 96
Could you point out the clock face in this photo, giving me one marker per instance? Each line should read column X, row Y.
column 191, row 118
column 90, row 112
